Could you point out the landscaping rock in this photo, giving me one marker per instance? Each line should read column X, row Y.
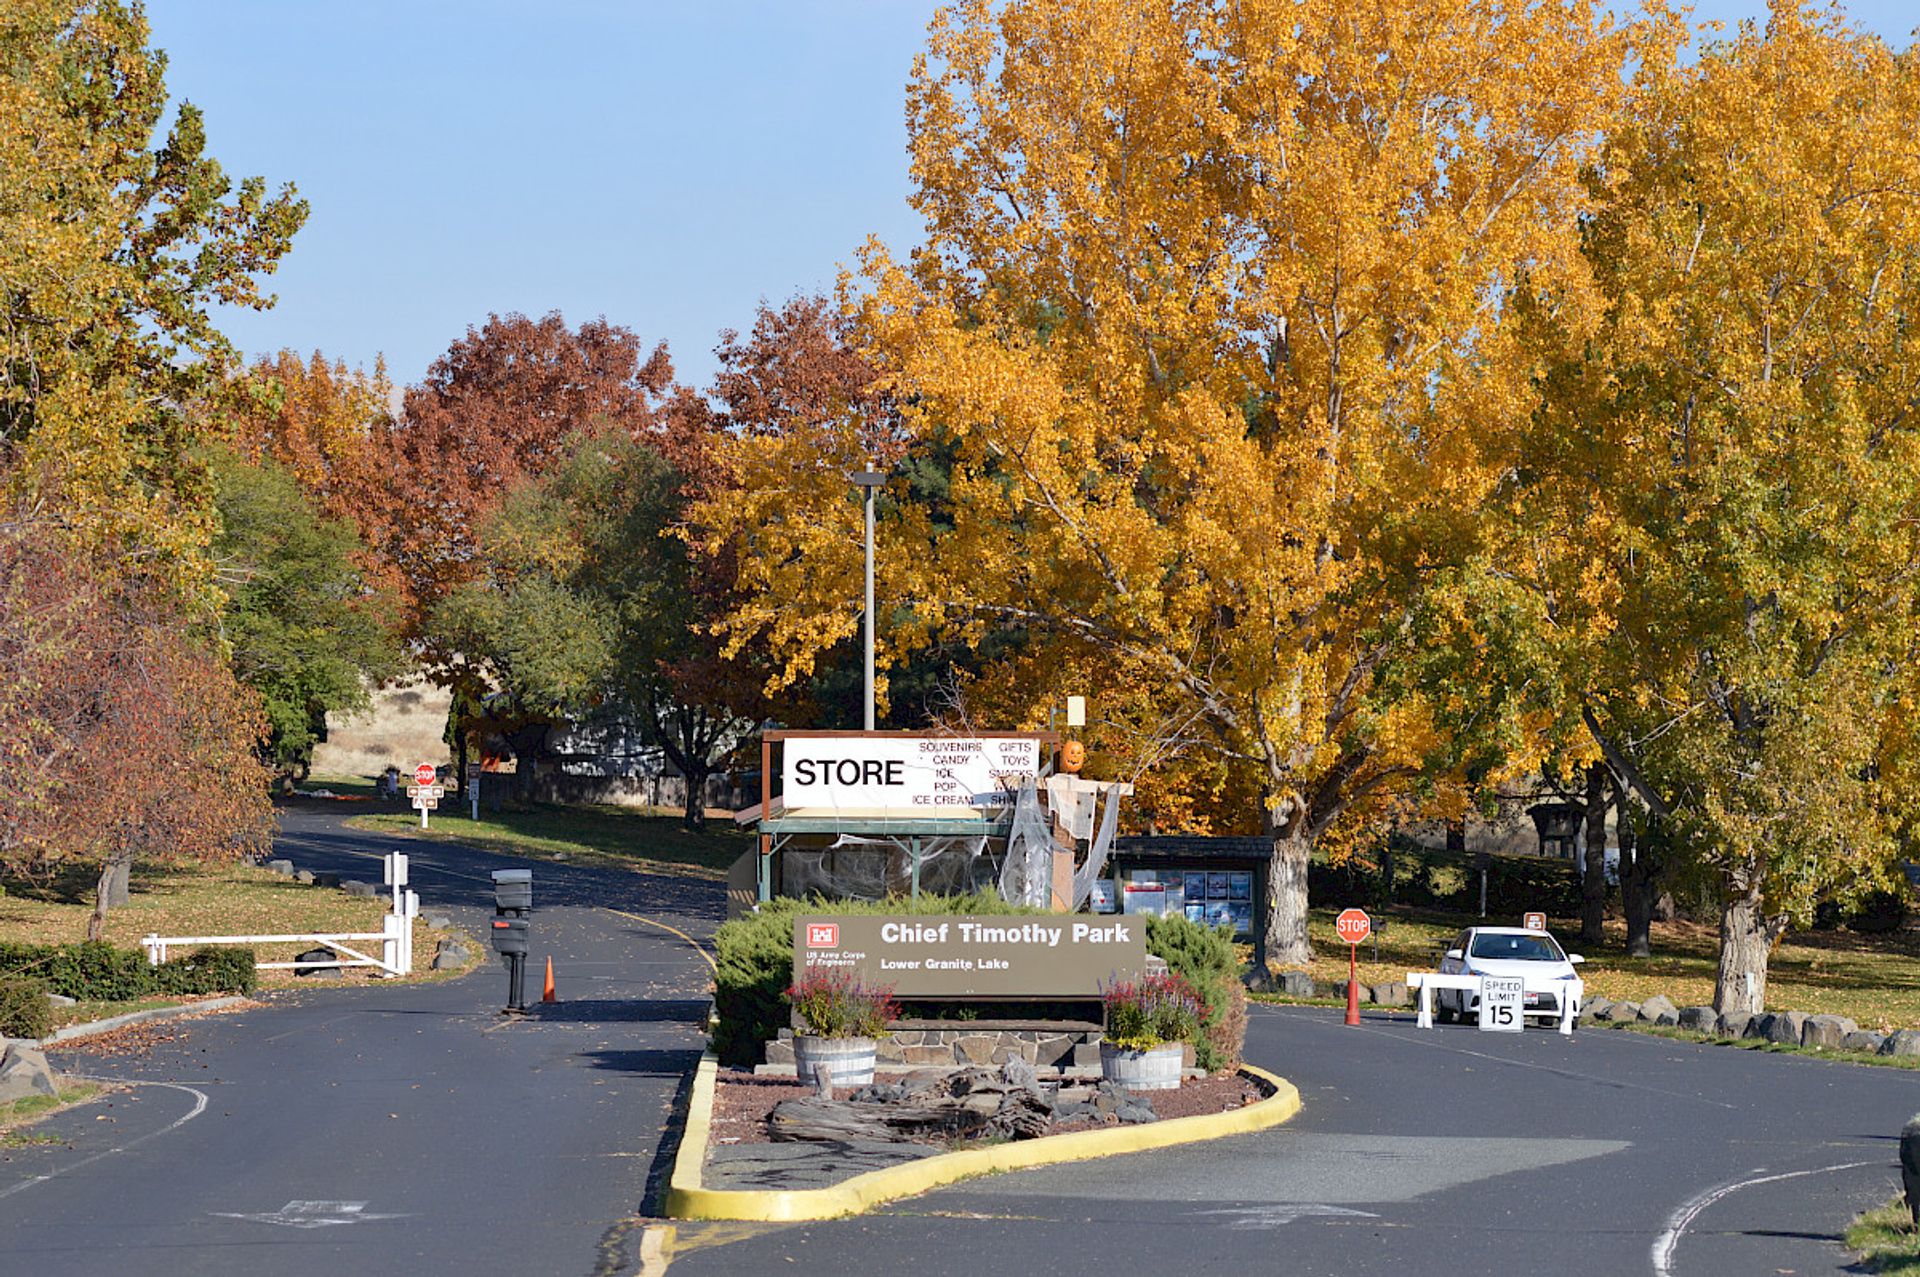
column 780, row 1052
column 326, row 880
column 1135, row 1112
column 449, row 954
column 1594, row 1005
column 1698, row 1019
column 1394, row 993
column 436, row 921
column 24, row 1071
column 1296, row 984
column 1258, row 980
column 1870, row 1043
column 1901, row 1042
column 1827, row 1031
column 282, row 867
column 1659, row 1009
column 1086, row 1055
column 1733, row 1024
column 1620, row 1013
column 354, row 887
column 318, row 955
column 1786, row 1027
column 59, row 1000
column 304, row 877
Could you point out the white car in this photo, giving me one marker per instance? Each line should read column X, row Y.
column 1534, row 956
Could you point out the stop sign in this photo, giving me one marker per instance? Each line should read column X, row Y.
column 1353, row 926
column 425, row 774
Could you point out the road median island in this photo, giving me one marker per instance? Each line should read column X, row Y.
column 689, row 1197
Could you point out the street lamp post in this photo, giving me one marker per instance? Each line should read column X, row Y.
column 870, row 480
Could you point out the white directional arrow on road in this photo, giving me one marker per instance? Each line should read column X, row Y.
column 312, row 1214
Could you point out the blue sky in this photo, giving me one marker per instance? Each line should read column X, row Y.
column 666, row 163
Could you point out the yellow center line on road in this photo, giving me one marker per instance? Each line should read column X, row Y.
column 697, row 946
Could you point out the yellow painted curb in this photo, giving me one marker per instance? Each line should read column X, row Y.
column 687, row 1199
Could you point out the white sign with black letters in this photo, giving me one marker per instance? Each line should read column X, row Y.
column 1501, row 997
column 907, row 775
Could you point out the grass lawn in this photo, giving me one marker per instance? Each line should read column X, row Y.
column 1885, row 1240
column 1873, row 979
column 197, row 900
column 634, row 837
column 18, row 1117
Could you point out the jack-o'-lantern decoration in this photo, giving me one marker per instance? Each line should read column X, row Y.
column 1073, row 756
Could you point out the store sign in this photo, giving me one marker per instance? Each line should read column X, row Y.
column 904, row 775
column 1060, row 956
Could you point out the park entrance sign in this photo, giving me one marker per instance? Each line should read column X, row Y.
column 979, row 956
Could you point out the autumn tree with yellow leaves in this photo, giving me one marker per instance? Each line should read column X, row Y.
column 1212, row 324
column 1718, row 508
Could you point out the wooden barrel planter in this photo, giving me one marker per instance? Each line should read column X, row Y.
column 1153, row 1070
column 849, row 1061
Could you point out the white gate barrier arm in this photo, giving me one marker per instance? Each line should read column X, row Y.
column 1427, row 981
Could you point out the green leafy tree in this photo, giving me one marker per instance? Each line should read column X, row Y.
column 114, row 251
column 304, row 630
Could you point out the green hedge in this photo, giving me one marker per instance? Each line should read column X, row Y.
column 97, row 972
column 753, row 957
column 24, row 1010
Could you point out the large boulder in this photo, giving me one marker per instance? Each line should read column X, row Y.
column 450, row 954
column 354, row 887
column 436, row 921
column 1901, row 1042
column 319, row 972
column 1733, row 1024
column 1699, row 1019
column 1620, row 1013
column 1867, row 1043
column 1296, row 984
column 1393, row 993
column 1826, row 1031
column 1659, row 1009
column 1594, row 1004
column 282, row 867
column 24, row 1071
column 1786, row 1026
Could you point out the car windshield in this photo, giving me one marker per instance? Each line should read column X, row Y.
column 1517, row 948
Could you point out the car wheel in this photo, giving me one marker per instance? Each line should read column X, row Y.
column 1441, row 1011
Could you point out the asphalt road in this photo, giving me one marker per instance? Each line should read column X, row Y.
column 391, row 1128
column 1426, row 1151
column 414, row 1129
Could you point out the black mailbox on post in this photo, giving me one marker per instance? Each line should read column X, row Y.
column 512, row 902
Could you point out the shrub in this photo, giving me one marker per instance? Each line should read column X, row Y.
column 24, row 1010
column 1155, row 1011
column 834, row 1004
column 1205, row 958
column 208, row 970
column 98, row 972
column 753, row 962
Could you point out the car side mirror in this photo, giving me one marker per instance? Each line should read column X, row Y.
column 1575, row 959
column 1454, row 953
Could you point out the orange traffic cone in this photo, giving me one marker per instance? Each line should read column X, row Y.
column 547, row 994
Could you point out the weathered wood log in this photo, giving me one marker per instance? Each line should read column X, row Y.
column 971, row 1102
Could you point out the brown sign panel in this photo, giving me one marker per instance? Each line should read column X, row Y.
column 1051, row 956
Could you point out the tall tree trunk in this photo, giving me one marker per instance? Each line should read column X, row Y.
column 1746, row 938
column 696, row 814
column 1593, row 879
column 110, row 892
column 1287, row 944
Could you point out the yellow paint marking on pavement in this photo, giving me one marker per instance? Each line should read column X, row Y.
column 656, row 1250
column 697, row 947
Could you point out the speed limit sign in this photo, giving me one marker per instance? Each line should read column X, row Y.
column 1500, row 999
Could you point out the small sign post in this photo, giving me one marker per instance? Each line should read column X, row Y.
column 1353, row 927
column 426, row 798
column 1500, row 998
